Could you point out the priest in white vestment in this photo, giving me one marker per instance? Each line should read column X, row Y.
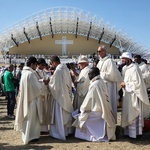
column 61, row 89
column 111, row 76
column 45, row 98
column 82, row 83
column 144, row 69
column 95, row 122
column 135, row 101
column 27, row 114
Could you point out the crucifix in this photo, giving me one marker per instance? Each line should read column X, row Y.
column 64, row 42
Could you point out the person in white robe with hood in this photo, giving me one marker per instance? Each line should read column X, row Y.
column 111, row 76
column 45, row 98
column 61, row 89
column 82, row 83
column 95, row 122
column 27, row 114
column 135, row 101
column 144, row 69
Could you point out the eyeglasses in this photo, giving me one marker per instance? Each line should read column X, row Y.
column 99, row 51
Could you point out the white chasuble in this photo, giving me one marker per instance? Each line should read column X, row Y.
column 27, row 114
column 112, row 77
column 96, row 107
column 61, row 88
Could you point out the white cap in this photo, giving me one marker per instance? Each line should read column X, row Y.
column 126, row 55
column 82, row 59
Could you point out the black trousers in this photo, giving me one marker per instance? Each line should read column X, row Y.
column 120, row 95
column 11, row 102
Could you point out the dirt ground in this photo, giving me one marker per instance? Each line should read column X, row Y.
column 11, row 140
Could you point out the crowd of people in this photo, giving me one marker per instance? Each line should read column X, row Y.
column 80, row 99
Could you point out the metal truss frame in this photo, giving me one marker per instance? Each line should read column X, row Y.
column 68, row 20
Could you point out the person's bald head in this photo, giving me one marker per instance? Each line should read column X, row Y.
column 94, row 71
column 102, row 50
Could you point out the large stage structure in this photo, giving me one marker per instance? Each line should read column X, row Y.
column 66, row 31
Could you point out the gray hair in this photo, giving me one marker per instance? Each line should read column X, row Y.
column 103, row 47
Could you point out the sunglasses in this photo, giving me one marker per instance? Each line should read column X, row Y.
column 99, row 51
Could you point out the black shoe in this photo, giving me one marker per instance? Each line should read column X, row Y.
column 11, row 116
column 34, row 140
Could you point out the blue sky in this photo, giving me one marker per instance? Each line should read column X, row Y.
column 131, row 16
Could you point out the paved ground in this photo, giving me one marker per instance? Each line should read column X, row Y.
column 11, row 140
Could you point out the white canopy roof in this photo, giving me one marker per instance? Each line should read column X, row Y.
column 59, row 20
